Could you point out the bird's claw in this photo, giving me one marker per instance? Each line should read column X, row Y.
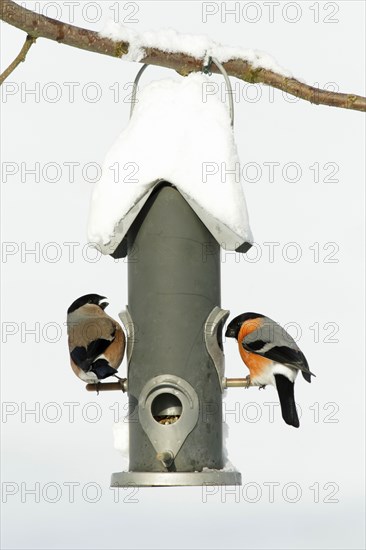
column 262, row 387
column 248, row 382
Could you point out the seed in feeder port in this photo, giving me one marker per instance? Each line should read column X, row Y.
column 166, row 420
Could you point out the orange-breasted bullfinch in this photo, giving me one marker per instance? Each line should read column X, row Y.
column 272, row 357
column 96, row 341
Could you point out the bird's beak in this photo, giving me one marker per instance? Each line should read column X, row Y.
column 230, row 332
column 103, row 305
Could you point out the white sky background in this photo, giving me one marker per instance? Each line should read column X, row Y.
column 326, row 453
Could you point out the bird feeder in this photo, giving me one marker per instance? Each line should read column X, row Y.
column 165, row 225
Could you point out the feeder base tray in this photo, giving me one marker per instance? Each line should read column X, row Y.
column 175, row 479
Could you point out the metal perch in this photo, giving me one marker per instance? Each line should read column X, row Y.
column 122, row 385
column 108, row 386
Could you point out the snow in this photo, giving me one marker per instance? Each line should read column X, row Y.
column 197, row 46
column 121, row 440
column 225, row 437
column 228, row 466
column 181, row 134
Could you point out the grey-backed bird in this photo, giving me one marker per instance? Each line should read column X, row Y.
column 96, row 341
column 272, row 357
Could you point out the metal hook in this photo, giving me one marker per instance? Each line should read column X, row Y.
column 206, row 70
column 229, row 88
column 134, row 88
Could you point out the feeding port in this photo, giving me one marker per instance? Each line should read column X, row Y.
column 166, row 409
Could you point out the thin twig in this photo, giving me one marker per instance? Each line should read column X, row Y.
column 37, row 25
column 19, row 58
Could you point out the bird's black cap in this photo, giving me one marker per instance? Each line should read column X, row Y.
column 235, row 324
column 88, row 299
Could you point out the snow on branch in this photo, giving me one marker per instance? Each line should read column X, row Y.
column 170, row 51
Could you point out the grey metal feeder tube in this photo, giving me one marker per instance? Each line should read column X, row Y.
column 173, row 285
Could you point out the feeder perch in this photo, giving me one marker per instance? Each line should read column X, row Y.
column 174, row 320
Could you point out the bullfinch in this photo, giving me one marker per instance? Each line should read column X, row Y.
column 96, row 341
column 272, row 357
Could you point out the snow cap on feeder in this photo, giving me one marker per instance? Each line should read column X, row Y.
column 182, row 134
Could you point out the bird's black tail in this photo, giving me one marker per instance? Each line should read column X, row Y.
column 102, row 369
column 285, row 390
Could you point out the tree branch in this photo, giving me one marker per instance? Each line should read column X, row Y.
column 19, row 58
column 36, row 25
